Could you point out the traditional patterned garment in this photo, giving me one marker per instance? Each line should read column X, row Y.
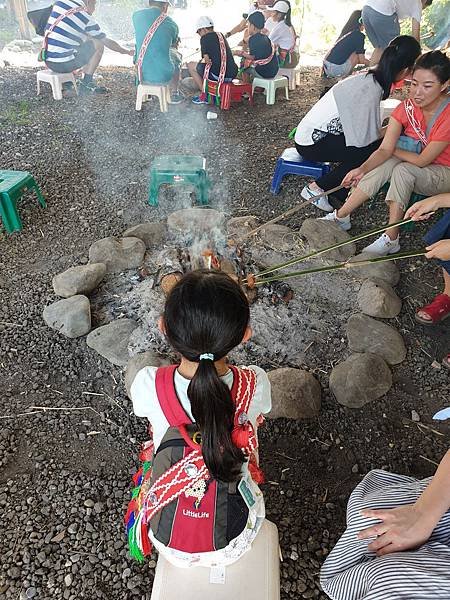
column 351, row 572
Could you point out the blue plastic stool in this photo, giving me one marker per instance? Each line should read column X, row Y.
column 291, row 163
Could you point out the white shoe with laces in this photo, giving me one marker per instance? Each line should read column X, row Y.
column 307, row 193
column 383, row 246
column 343, row 223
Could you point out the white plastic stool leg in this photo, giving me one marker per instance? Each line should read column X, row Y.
column 139, row 97
column 38, row 85
column 56, row 88
column 270, row 95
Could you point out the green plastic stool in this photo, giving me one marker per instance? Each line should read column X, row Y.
column 13, row 184
column 179, row 170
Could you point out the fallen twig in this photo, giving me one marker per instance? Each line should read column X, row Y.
column 429, row 460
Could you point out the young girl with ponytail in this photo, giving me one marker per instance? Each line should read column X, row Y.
column 205, row 317
column 282, row 34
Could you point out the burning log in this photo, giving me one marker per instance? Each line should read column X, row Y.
column 169, row 281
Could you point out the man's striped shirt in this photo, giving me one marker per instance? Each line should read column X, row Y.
column 70, row 32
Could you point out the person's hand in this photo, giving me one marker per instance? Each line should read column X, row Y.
column 238, row 52
column 130, row 52
column 353, row 177
column 423, row 209
column 439, row 250
column 400, row 529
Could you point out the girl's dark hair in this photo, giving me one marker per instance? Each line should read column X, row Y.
column 399, row 55
column 208, row 313
column 288, row 16
column 353, row 23
column 435, row 61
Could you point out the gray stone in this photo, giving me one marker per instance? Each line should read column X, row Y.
column 237, row 227
column 138, row 362
column 387, row 271
column 369, row 335
column 279, row 237
column 68, row 580
column 295, row 394
column 118, row 254
column 376, row 298
column 78, row 280
column 195, row 221
column 321, row 234
column 152, row 234
column 111, row 341
column 71, row 317
column 360, row 379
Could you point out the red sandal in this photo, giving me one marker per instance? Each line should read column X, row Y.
column 437, row 310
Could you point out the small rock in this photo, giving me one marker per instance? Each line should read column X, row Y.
column 387, row 271
column 89, row 503
column 195, row 221
column 111, row 341
column 360, row 379
column 295, row 394
column 237, row 227
column 279, row 237
column 377, row 299
column 71, row 317
column 415, row 416
column 98, row 508
column 68, row 580
column 355, row 469
column 78, row 280
column 138, row 362
column 152, row 234
column 321, row 234
column 369, row 335
column 118, row 254
column 30, row 592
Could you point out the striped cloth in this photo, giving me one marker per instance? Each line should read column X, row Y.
column 351, row 572
column 71, row 32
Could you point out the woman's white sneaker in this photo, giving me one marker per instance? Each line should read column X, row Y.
column 384, row 246
column 343, row 223
column 307, row 193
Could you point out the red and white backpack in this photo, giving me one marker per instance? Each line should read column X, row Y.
column 174, row 494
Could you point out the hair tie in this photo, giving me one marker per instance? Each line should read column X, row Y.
column 206, row 357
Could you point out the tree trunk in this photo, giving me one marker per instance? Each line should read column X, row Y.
column 20, row 10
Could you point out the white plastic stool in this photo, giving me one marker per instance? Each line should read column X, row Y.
column 387, row 107
column 271, row 86
column 293, row 76
column 145, row 90
column 56, row 80
column 255, row 576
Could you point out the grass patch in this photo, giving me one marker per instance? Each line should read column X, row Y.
column 17, row 114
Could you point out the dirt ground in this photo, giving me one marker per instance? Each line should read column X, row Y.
column 65, row 472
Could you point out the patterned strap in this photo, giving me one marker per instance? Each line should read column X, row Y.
column 58, row 20
column 145, row 44
column 243, row 392
column 223, row 66
column 410, row 113
column 167, row 397
column 265, row 61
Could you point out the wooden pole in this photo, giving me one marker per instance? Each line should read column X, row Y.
column 20, row 10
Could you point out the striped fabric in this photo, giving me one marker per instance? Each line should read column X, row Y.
column 71, row 32
column 351, row 572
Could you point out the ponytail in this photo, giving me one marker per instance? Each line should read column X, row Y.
column 205, row 317
column 398, row 56
column 288, row 17
column 213, row 410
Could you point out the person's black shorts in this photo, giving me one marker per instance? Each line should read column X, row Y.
column 201, row 71
column 83, row 55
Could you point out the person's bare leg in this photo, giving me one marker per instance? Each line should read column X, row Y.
column 92, row 65
column 354, row 201
column 175, row 81
column 192, row 67
column 396, row 214
column 375, row 58
column 425, row 316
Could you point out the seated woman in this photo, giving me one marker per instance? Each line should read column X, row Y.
column 282, row 33
column 397, row 541
column 438, row 240
column 348, row 51
column 344, row 126
column 417, row 161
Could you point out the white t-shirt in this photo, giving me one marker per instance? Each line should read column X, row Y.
column 282, row 35
column 404, row 9
column 321, row 119
column 145, row 404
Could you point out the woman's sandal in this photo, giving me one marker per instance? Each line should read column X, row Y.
column 437, row 310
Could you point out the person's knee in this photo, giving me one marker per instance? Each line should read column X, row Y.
column 403, row 171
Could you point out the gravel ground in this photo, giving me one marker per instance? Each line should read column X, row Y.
column 64, row 473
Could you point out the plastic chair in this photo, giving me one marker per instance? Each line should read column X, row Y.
column 230, row 92
column 293, row 76
column 179, row 170
column 145, row 90
column 271, row 86
column 56, row 80
column 291, row 163
column 13, row 184
column 255, row 576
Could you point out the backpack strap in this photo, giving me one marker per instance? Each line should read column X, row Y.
column 56, row 22
column 243, row 391
column 167, row 397
column 146, row 42
column 222, row 72
column 438, row 112
column 265, row 61
column 410, row 113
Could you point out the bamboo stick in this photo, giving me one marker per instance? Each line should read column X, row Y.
column 363, row 236
column 290, row 212
column 346, row 265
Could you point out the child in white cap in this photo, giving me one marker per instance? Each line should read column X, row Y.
column 282, row 33
column 216, row 54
